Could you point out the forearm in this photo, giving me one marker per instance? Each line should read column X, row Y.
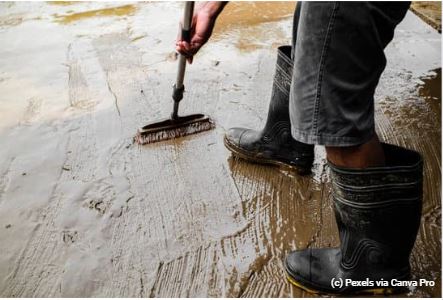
column 212, row 8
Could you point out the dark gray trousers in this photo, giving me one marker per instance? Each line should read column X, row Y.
column 338, row 53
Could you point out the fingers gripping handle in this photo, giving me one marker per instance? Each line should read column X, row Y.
column 179, row 88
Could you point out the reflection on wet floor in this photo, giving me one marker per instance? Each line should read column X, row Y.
column 430, row 90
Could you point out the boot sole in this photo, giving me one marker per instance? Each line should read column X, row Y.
column 373, row 291
column 249, row 156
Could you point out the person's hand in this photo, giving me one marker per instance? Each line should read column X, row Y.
column 203, row 21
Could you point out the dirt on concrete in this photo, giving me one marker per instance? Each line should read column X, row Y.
column 428, row 11
column 85, row 212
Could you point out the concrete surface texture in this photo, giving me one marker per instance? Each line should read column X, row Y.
column 85, row 212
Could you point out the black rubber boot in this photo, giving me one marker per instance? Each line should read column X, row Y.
column 274, row 144
column 378, row 215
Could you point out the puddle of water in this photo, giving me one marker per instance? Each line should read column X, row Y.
column 430, row 90
column 248, row 14
column 252, row 25
column 125, row 10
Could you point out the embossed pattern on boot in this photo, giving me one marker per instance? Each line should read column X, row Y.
column 378, row 214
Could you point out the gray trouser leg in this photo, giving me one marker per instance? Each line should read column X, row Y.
column 338, row 60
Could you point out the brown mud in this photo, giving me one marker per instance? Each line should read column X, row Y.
column 428, row 11
column 244, row 24
column 84, row 212
column 124, row 10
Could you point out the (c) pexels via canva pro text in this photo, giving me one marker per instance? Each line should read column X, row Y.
column 340, row 282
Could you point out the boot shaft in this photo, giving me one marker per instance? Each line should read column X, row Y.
column 278, row 124
column 378, row 210
column 283, row 71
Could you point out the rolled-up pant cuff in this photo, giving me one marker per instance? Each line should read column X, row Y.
column 331, row 141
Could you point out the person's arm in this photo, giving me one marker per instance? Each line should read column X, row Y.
column 203, row 21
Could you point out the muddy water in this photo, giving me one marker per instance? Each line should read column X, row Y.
column 100, row 216
column 125, row 10
column 244, row 23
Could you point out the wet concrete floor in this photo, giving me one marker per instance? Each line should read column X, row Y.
column 85, row 212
